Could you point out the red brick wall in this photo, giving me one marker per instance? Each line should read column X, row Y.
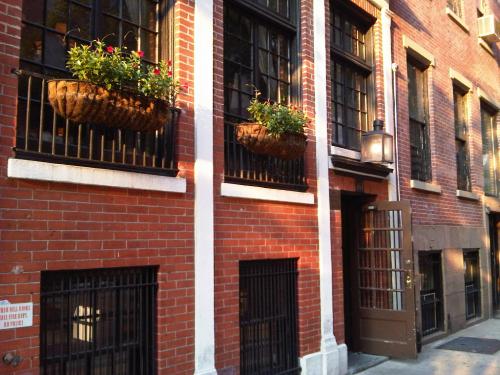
column 52, row 226
column 248, row 229
column 427, row 24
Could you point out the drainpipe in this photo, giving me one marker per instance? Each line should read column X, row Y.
column 396, row 143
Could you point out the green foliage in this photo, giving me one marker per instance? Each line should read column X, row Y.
column 276, row 117
column 114, row 68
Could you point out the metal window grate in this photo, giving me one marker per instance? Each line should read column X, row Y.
column 431, row 294
column 98, row 322
column 472, row 285
column 268, row 317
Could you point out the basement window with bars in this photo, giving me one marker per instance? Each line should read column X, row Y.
column 260, row 52
column 49, row 29
column 353, row 98
column 491, row 150
column 419, row 122
column 461, row 139
column 98, row 321
column 431, row 292
column 472, row 284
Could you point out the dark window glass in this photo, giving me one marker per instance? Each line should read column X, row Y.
column 472, row 284
column 461, row 139
column 491, row 158
column 258, row 54
column 351, row 69
column 419, row 127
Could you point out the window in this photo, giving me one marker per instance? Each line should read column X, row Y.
column 351, row 74
column 419, row 122
column 268, row 317
column 49, row 29
column 260, row 51
column 461, row 138
column 98, row 321
column 491, row 156
column 472, row 284
column 431, row 293
column 457, row 7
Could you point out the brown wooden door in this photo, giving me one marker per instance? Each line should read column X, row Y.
column 385, row 287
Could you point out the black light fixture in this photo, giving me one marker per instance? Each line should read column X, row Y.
column 377, row 145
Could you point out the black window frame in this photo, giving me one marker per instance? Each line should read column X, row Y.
column 241, row 166
column 490, row 149
column 472, row 283
column 360, row 66
column 420, row 147
column 460, row 109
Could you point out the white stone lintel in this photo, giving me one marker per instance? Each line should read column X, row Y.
column 418, row 52
column 73, row 174
column 459, row 79
column 265, row 194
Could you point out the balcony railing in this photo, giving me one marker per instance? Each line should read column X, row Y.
column 244, row 167
column 43, row 135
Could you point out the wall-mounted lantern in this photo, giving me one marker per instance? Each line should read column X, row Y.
column 377, row 145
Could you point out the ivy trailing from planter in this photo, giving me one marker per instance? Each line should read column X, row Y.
column 275, row 129
column 114, row 87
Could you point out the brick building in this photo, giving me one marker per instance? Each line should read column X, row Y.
column 179, row 251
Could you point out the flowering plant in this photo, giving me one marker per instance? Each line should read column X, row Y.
column 115, row 69
column 277, row 118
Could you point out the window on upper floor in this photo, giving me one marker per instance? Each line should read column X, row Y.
column 49, row 29
column 260, row 52
column 491, row 150
column 457, row 7
column 461, row 139
column 352, row 95
column 419, row 121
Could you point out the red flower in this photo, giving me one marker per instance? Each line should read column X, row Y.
column 156, row 71
column 110, row 49
column 170, row 73
column 169, row 63
column 140, row 53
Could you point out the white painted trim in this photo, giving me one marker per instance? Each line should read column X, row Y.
column 204, row 316
column 425, row 186
column 74, row 174
column 265, row 194
column 456, row 18
column 350, row 171
column 468, row 195
column 329, row 351
column 379, row 3
column 419, row 52
column 340, row 151
column 390, row 125
column 488, row 99
column 460, row 79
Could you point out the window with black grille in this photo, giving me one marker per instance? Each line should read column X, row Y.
column 268, row 317
column 98, row 321
column 351, row 74
column 419, row 122
column 461, row 139
column 472, row 284
column 491, row 150
column 49, row 28
column 431, row 292
column 260, row 52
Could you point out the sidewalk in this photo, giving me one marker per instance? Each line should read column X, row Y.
column 434, row 361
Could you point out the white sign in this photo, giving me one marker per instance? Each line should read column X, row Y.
column 16, row 315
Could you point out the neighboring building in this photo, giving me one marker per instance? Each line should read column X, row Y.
column 180, row 251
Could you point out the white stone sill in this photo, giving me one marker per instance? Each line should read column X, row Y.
column 339, row 151
column 265, row 194
column 43, row 171
column 425, row 186
column 467, row 195
column 459, row 21
column 486, row 47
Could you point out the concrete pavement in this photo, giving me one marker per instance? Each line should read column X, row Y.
column 434, row 361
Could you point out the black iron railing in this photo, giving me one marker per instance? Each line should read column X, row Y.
column 268, row 317
column 245, row 167
column 45, row 136
column 472, row 301
column 98, row 321
column 431, row 312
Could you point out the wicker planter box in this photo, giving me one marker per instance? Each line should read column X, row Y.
column 255, row 137
column 85, row 102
